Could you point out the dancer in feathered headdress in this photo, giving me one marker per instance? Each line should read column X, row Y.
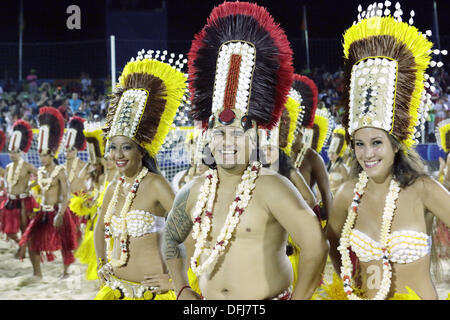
column 19, row 203
column 240, row 72
column 76, row 169
column 53, row 227
column 305, row 156
column 141, row 112
column 87, row 204
column 383, row 207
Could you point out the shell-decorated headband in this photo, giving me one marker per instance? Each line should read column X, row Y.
column 21, row 137
column 322, row 129
column 146, row 99
column 443, row 135
column 338, row 143
column 384, row 73
column 240, row 68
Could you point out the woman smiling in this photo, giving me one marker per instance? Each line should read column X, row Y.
column 127, row 234
column 378, row 228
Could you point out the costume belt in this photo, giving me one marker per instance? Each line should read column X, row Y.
column 285, row 295
column 123, row 288
column 48, row 207
column 19, row 196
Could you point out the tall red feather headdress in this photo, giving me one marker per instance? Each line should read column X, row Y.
column 309, row 92
column 240, row 62
column 51, row 129
column 75, row 135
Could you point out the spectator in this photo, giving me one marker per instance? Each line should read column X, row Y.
column 85, row 83
column 75, row 103
column 31, row 80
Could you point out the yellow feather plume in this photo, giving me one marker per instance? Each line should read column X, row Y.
column 412, row 39
column 293, row 108
column 175, row 83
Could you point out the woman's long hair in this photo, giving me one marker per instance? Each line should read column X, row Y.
column 149, row 162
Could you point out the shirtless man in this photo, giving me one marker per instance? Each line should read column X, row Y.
column 52, row 228
column 249, row 210
column 18, row 208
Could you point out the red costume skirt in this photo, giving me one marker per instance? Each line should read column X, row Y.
column 44, row 237
column 10, row 219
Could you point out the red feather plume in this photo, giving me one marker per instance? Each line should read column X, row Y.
column 29, row 132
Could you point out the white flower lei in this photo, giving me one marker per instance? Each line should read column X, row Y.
column 44, row 183
column 202, row 225
column 123, row 214
column 388, row 213
column 72, row 169
column 13, row 175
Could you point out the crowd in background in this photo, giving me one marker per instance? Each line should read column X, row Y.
column 87, row 97
column 83, row 97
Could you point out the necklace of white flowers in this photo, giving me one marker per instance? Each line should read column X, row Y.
column 13, row 175
column 388, row 213
column 44, row 183
column 72, row 169
column 202, row 224
column 123, row 215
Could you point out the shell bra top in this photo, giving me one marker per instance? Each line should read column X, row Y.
column 404, row 246
column 139, row 223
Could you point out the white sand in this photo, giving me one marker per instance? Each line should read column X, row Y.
column 16, row 279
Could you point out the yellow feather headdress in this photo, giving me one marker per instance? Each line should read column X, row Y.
column 385, row 62
column 288, row 124
column 443, row 135
column 95, row 141
column 322, row 129
column 146, row 99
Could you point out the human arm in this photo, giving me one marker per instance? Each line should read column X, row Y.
column 300, row 183
column 178, row 227
column 301, row 224
column 341, row 202
column 164, row 194
column 435, row 198
column 447, row 175
column 99, row 232
column 320, row 174
column 64, row 190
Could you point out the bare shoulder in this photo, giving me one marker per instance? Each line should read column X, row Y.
column 275, row 182
column 424, row 185
column 154, row 180
column 109, row 190
column 345, row 192
column 192, row 188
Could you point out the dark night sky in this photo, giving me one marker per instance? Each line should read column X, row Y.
column 45, row 30
column 45, row 20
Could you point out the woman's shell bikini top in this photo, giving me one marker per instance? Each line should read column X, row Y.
column 139, row 223
column 404, row 246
